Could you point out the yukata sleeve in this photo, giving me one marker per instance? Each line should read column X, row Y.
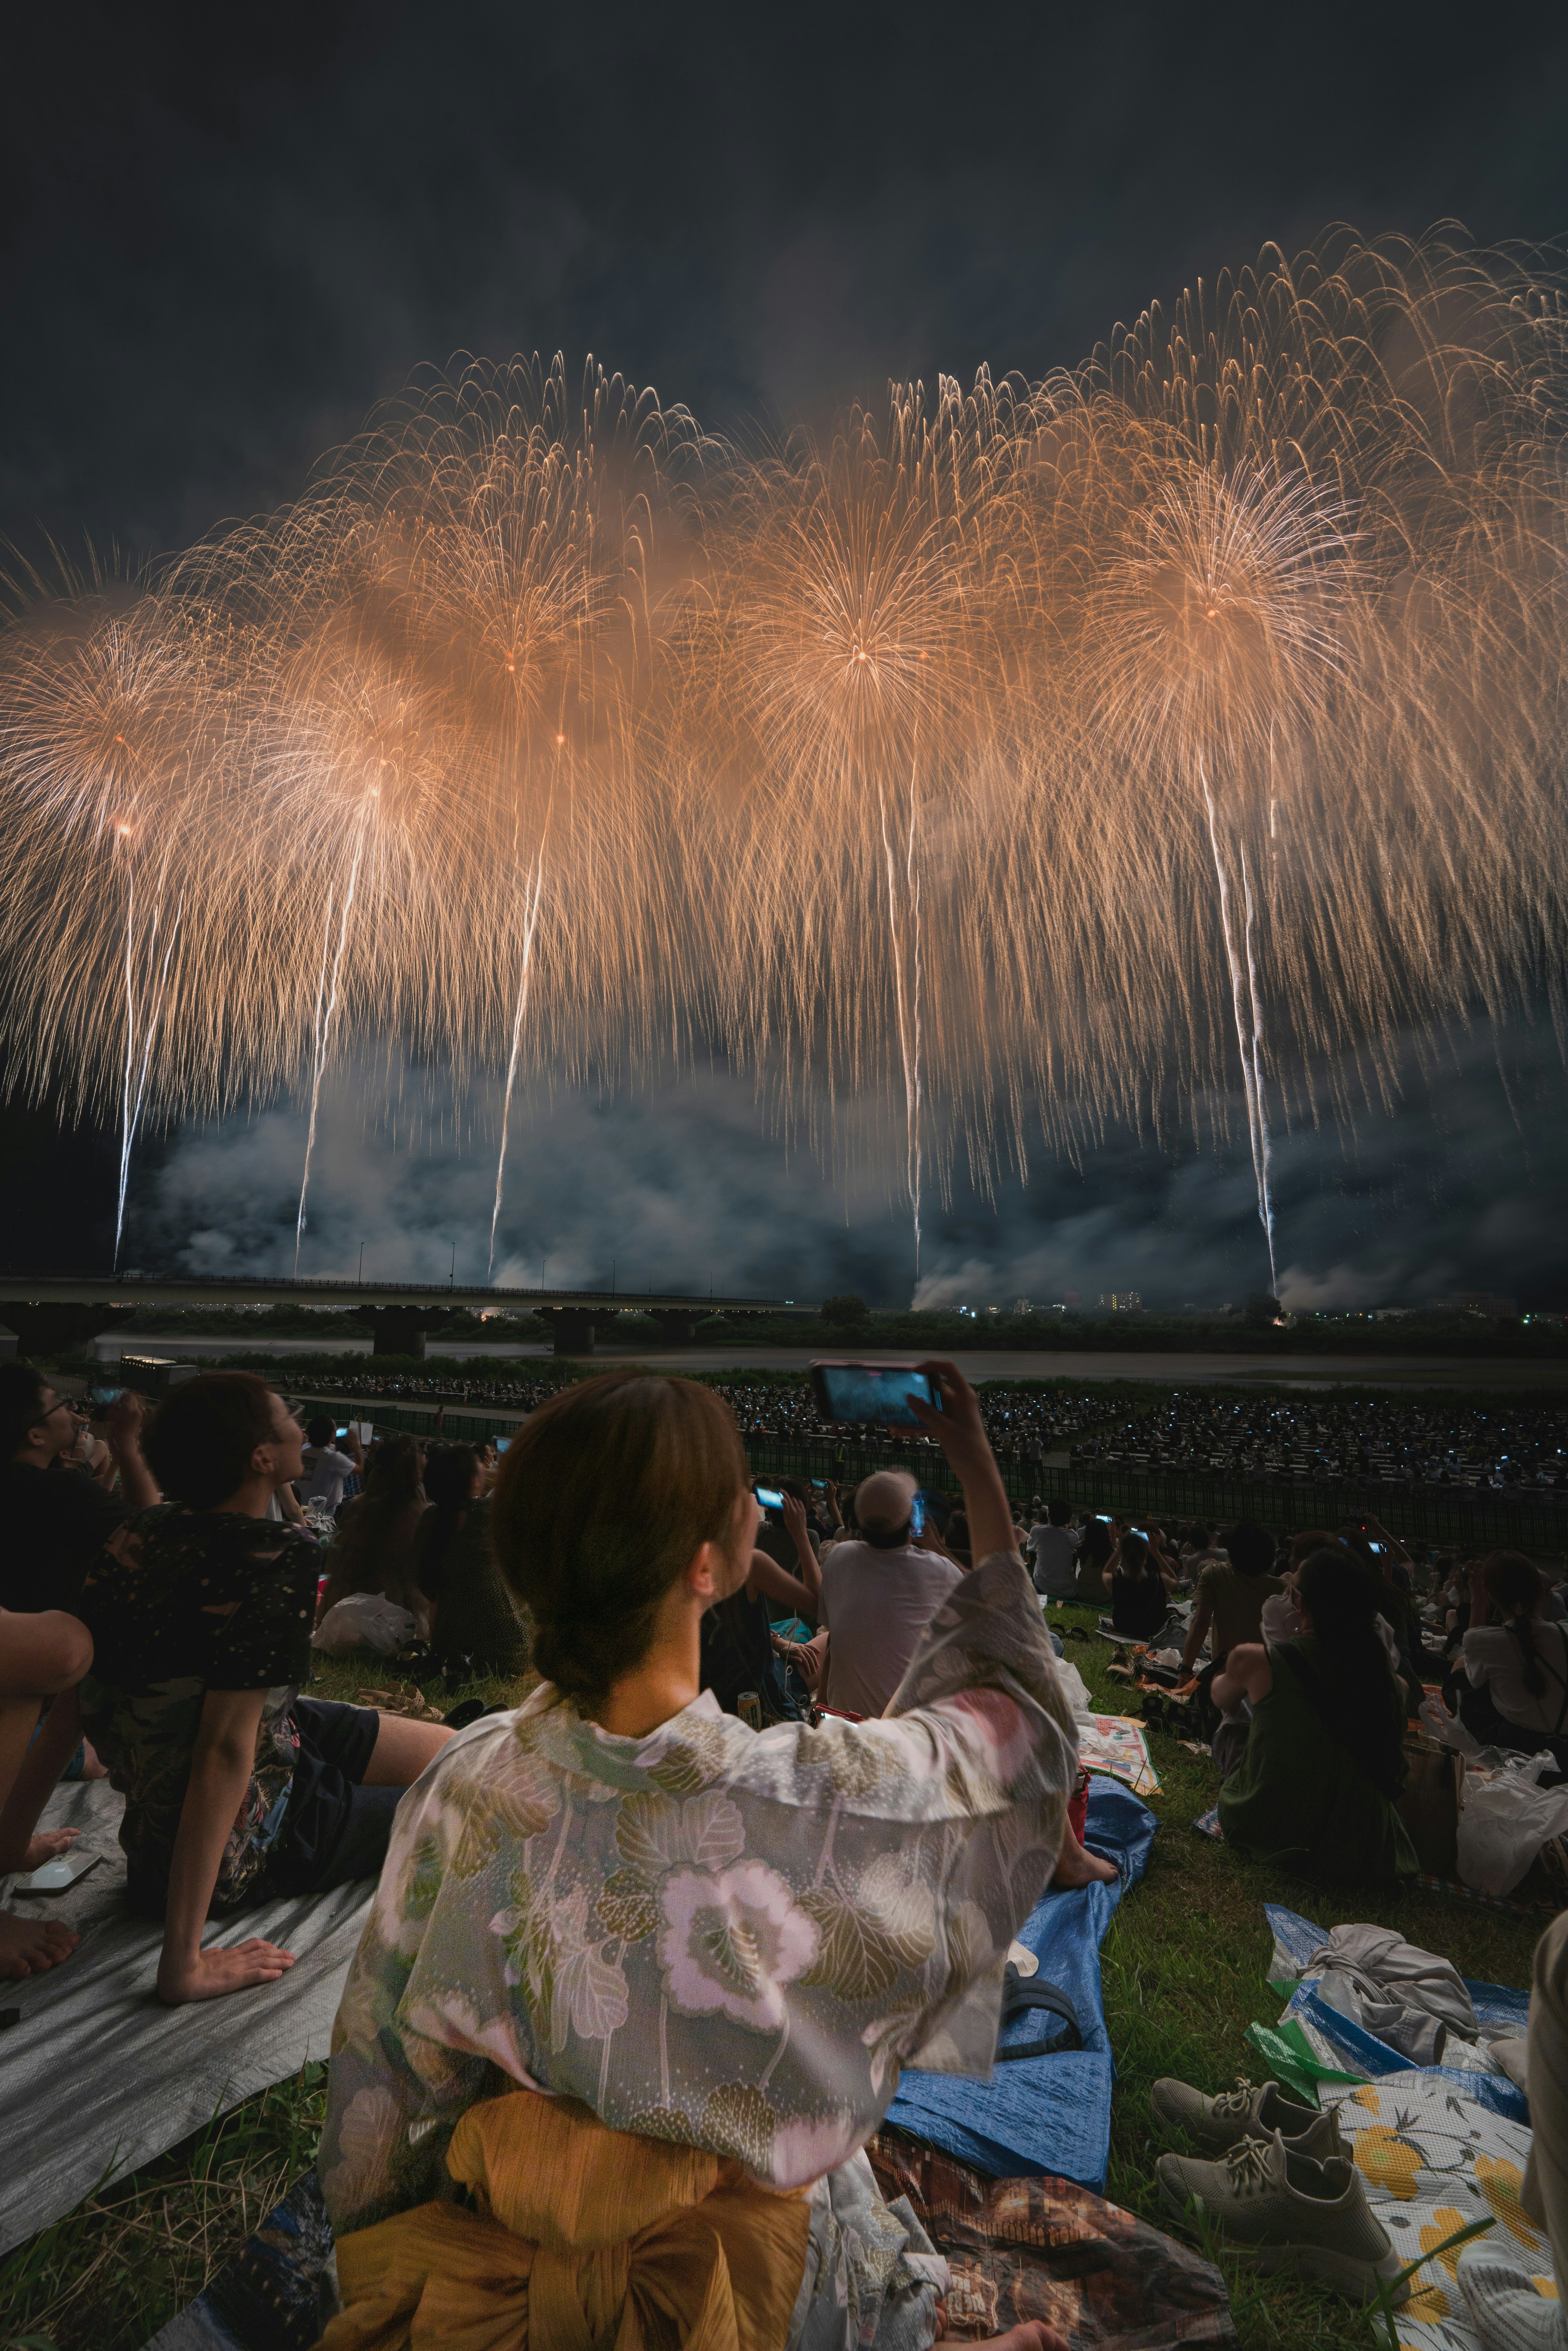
column 984, row 1695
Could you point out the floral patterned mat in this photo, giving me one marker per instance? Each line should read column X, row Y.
column 1434, row 2162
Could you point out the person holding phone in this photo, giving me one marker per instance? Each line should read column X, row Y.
column 713, row 1948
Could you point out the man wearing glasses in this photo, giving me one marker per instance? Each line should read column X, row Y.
column 55, row 1520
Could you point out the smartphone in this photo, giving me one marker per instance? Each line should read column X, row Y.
column 1377, row 1547
column 501, row 1443
column 341, row 1434
column 770, row 1497
column 878, row 1393
column 103, row 1398
column 1103, row 1517
column 917, row 1515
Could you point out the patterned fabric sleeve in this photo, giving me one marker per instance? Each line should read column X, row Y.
column 261, row 1603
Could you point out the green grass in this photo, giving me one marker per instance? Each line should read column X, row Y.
column 1185, row 1966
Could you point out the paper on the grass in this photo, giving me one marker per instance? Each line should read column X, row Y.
column 1116, row 1743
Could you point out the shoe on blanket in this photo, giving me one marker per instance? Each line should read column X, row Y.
column 1284, row 2212
column 1506, row 2307
column 1216, row 2124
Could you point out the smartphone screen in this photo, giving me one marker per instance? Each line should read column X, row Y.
column 917, row 1515
column 502, row 1443
column 1377, row 1547
column 341, row 1434
column 875, row 1392
column 770, row 1497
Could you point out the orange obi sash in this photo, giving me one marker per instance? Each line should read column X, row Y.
column 586, row 2239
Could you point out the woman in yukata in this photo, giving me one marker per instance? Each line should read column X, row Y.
column 712, row 1946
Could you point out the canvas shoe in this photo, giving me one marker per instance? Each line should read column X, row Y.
column 1280, row 2211
column 1217, row 2124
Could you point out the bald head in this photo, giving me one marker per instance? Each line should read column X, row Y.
column 884, row 1501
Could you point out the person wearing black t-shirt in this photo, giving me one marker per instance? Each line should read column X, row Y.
column 236, row 1788
column 53, row 1521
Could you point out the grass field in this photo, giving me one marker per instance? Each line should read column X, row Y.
column 1185, row 1973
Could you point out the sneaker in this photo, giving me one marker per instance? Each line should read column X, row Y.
column 1280, row 2211
column 1217, row 2124
column 1507, row 2308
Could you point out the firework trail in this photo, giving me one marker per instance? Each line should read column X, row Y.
column 325, row 1006
column 530, row 918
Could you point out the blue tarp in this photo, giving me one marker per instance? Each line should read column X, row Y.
column 1361, row 2052
column 1046, row 2114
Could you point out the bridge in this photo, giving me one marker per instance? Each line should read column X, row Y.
column 52, row 1311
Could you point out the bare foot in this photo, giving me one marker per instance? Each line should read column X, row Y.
column 48, row 1846
column 1076, row 1865
column 92, row 1765
column 31, row 1947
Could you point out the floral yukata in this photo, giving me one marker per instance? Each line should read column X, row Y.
column 723, row 1937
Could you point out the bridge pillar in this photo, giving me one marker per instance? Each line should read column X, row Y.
column 48, row 1327
column 398, row 1330
column 573, row 1327
column 678, row 1324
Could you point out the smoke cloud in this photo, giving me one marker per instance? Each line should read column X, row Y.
column 690, row 1188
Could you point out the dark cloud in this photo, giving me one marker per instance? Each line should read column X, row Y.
column 222, row 237
column 690, row 1186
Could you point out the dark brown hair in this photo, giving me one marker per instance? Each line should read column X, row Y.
column 607, row 1491
column 204, row 1434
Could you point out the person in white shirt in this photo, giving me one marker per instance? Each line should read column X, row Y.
column 1053, row 1550
column 1515, row 1661
column 326, row 1470
column 879, row 1594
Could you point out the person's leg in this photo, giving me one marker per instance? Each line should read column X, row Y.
column 401, row 1750
column 353, row 1767
column 42, row 1655
column 1505, row 2308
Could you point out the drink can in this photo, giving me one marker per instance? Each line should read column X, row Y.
column 749, row 1706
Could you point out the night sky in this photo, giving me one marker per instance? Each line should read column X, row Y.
column 223, row 239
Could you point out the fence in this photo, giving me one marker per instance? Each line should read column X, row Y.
column 1425, row 1515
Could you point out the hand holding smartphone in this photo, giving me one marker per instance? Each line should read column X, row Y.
column 874, row 1395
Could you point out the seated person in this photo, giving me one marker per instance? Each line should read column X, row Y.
column 1140, row 1601
column 236, row 1789
column 1515, row 1692
column 741, row 1653
column 1054, row 1543
column 327, row 1467
column 880, row 1593
column 42, row 1656
column 473, row 1615
column 673, row 1923
column 53, row 1521
column 372, row 1549
column 1316, row 1786
column 1094, row 1555
column 1227, row 1610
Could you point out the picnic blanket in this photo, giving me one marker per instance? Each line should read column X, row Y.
column 1045, row 2114
column 100, row 2077
column 1018, row 2248
column 1338, row 2042
column 1439, row 2146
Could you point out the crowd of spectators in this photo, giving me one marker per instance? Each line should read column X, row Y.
column 1373, row 1439
column 164, row 1573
